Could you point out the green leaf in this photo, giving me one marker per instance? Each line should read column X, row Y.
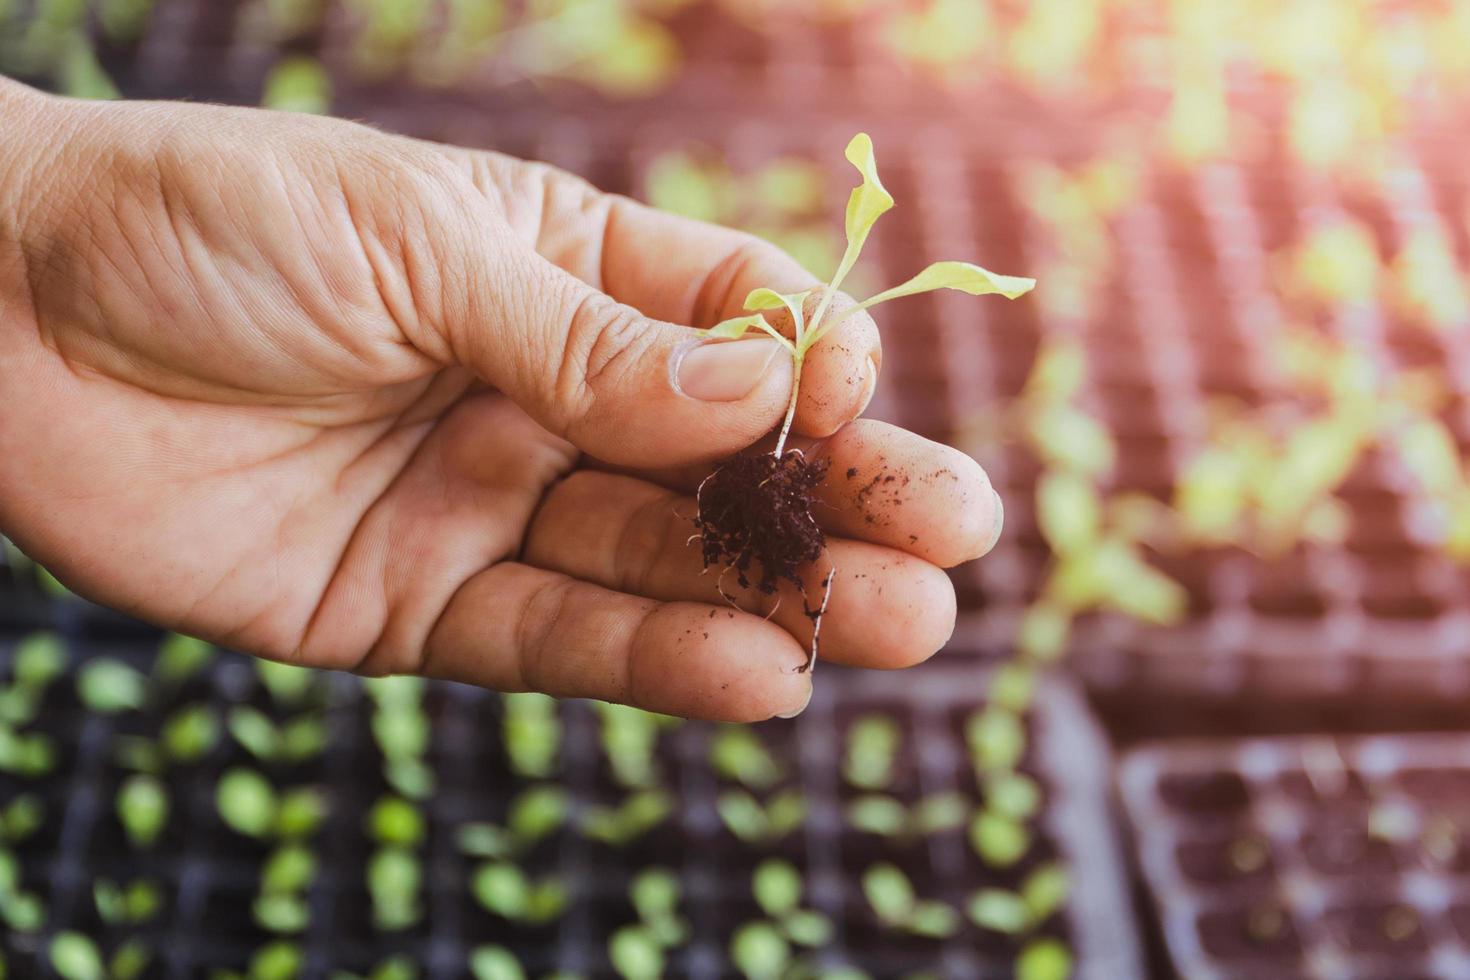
column 999, row 910
column 768, row 299
column 396, row 968
column 738, row 754
column 964, row 276
column 129, row 960
column 1012, row 794
column 29, row 756
column 143, row 808
column 1043, row 632
column 495, row 963
column 635, row 955
column 276, row 961
column 301, row 812
column 394, row 877
column 759, row 951
column 23, row 911
column 871, row 746
column 255, row 732
column 805, row 927
column 246, row 802
column 742, row 815
column 393, row 820
column 9, row 873
column 138, row 753
column 108, row 686
column 776, row 886
column 532, row 734
column 940, row 812
column 997, row 739
column 889, row 893
column 1068, row 510
column 548, row 900
column 75, row 957
column 1044, row 959
column 281, row 912
column 1012, row 687
column 484, row 840
column 108, row 897
column 635, row 817
column 180, row 658
column 1045, row 890
column 288, row 684
column 654, row 892
column 875, row 814
column 303, row 738
column 410, row 776
column 290, row 868
column 190, row 733
column 867, row 203
column 21, row 818
column 142, row 900
column 538, row 813
column 39, row 659
column 999, row 841
column 502, row 889
column 298, row 84
column 737, row 327
column 785, row 813
column 933, row 919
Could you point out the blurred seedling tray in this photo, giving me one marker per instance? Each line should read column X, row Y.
column 1307, row 857
column 745, row 831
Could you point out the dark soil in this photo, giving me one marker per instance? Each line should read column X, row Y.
column 755, row 512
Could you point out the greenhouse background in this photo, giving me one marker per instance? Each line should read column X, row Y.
column 1207, row 713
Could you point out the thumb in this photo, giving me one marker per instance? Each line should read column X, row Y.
column 616, row 384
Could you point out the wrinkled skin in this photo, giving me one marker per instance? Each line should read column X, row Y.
column 353, row 401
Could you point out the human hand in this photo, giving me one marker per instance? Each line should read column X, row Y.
column 355, row 401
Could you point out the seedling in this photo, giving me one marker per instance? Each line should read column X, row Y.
column 279, row 960
column 393, row 968
column 629, row 737
column 38, row 660
column 533, row 816
column 248, row 804
column 498, row 963
column 180, row 658
column 76, row 957
column 1041, row 895
column 293, row 687
column 142, row 809
column 108, row 687
column 637, row 951
column 736, row 753
column 401, row 730
column 764, row 948
column 503, row 889
column 635, row 817
column 532, row 734
column 20, row 910
column 872, row 747
column 395, row 875
column 26, row 755
column 130, row 906
column 893, row 901
column 887, row 817
column 287, row 743
column 757, row 509
column 761, row 824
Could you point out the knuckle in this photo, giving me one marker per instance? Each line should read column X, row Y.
column 604, row 343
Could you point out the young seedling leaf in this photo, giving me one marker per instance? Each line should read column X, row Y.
column 872, row 745
column 737, row 327
column 997, row 739
column 246, row 802
column 935, row 920
column 808, row 928
column 547, row 901
column 759, row 951
column 874, row 814
column 867, row 203
column 502, row 889
column 940, row 812
column 889, row 893
column 180, row 658
column 142, row 808
column 785, row 813
column 129, row 960
column 999, row 841
column 288, row 869
column 394, row 878
column 301, row 812
column 532, row 734
column 999, row 910
column 288, row 684
column 484, row 840
column 769, row 299
column 538, row 813
column 109, row 686
column 394, row 820
column 255, row 732
column 75, row 957
column 39, row 659
column 21, row 818
column 281, row 913
column 739, row 755
column 276, row 961
column 142, row 900
column 189, row 734
column 654, row 893
column 495, row 963
column 635, row 954
column 963, row 276
column 1045, row 890
column 1044, row 959
column 742, row 815
column 776, row 886
column 1012, row 794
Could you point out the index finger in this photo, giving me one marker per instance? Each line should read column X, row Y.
column 680, row 270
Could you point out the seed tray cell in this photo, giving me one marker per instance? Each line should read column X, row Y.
column 1313, row 857
column 209, row 873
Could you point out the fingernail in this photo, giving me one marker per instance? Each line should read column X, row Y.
column 792, row 714
column 1000, row 521
column 870, row 383
column 723, row 371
